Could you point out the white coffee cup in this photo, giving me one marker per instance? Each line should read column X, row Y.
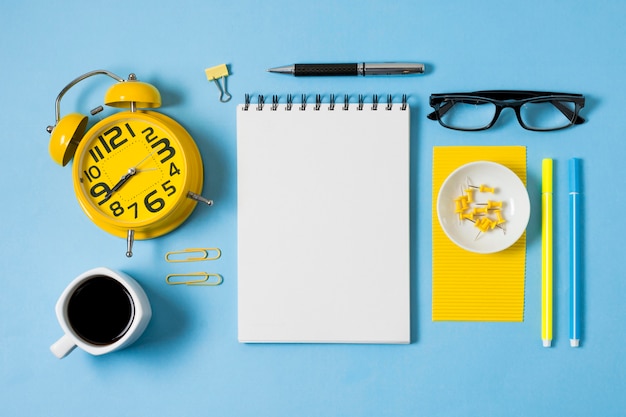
column 100, row 311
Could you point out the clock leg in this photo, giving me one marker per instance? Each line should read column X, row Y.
column 199, row 198
column 130, row 239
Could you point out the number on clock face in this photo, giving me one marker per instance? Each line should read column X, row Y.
column 132, row 171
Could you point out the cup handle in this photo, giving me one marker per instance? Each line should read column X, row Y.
column 62, row 347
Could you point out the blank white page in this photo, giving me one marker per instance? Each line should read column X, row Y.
column 323, row 224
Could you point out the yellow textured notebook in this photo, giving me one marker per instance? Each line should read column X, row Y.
column 469, row 286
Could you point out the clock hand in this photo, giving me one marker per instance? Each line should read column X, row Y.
column 122, row 181
column 144, row 159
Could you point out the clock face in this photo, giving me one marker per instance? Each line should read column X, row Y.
column 134, row 170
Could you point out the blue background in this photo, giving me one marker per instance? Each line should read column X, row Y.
column 189, row 361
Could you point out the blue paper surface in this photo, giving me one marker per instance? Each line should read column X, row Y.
column 189, row 362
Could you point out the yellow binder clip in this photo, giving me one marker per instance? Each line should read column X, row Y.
column 199, row 278
column 193, row 255
column 215, row 74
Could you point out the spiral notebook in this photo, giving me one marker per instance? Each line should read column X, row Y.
column 323, row 221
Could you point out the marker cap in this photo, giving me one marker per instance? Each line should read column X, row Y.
column 574, row 175
column 546, row 175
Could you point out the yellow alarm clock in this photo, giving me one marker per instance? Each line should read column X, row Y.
column 137, row 174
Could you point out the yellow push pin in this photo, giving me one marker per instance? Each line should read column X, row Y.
column 491, row 205
column 215, row 74
column 458, row 206
column 481, row 224
column 499, row 218
column 465, row 202
column 483, row 188
column 500, row 223
column 485, row 225
column 468, row 216
column 461, row 204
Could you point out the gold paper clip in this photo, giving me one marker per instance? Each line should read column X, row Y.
column 214, row 74
column 202, row 255
column 206, row 279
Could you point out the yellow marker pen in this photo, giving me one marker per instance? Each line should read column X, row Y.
column 546, row 252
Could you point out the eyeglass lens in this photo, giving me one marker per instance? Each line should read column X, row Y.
column 478, row 114
column 467, row 116
column 547, row 115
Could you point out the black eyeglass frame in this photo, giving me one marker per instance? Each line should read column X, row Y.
column 502, row 99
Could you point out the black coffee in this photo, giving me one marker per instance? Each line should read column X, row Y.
column 101, row 310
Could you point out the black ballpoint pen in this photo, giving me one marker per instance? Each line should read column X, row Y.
column 388, row 68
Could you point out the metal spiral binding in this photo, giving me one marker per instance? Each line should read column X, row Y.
column 246, row 103
column 303, row 102
column 318, row 102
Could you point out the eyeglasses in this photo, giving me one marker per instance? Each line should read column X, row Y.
column 539, row 111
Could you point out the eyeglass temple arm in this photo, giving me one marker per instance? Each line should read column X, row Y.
column 567, row 112
column 441, row 111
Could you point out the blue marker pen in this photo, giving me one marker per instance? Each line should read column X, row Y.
column 575, row 258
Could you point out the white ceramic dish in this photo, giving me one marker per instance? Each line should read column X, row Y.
column 508, row 188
